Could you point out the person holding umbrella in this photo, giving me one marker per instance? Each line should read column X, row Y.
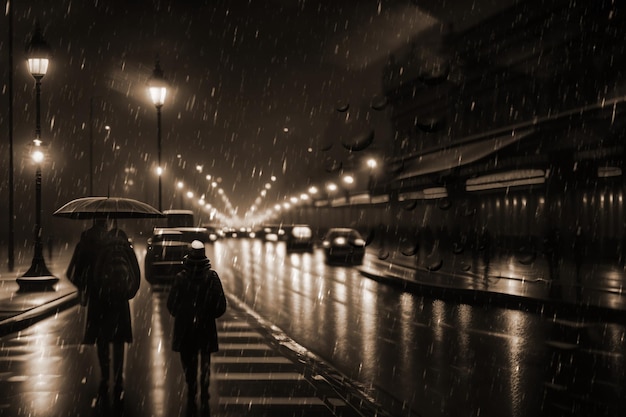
column 105, row 269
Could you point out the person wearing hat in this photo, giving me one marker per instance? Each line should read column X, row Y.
column 195, row 300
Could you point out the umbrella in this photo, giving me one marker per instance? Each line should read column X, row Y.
column 107, row 207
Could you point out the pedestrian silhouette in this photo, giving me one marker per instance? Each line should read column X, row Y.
column 195, row 300
column 104, row 268
column 80, row 269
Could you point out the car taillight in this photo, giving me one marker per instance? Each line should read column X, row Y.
column 358, row 242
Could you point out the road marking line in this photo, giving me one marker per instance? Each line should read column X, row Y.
column 244, row 346
column 260, row 376
column 251, row 401
column 239, row 334
column 251, row 359
column 233, row 325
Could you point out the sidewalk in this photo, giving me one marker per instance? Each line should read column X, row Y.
column 18, row 309
column 593, row 290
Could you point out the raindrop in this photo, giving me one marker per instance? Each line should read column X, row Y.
column 411, row 251
column 332, row 165
column 410, row 205
column 383, row 254
column 342, row 107
column 435, row 266
column 359, row 142
column 445, row 203
column 370, row 237
column 379, row 103
column 430, row 125
column 326, row 146
column 432, row 80
column 526, row 256
column 468, row 212
column 457, row 248
column 395, row 167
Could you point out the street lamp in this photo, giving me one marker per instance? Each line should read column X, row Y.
column 371, row 164
column 157, row 86
column 38, row 55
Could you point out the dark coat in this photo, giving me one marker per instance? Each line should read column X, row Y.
column 108, row 316
column 196, row 300
column 80, row 270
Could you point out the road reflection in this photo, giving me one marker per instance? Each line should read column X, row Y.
column 157, row 357
column 432, row 356
column 39, row 359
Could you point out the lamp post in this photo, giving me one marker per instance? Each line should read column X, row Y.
column 91, row 146
column 157, row 86
column 38, row 54
column 371, row 164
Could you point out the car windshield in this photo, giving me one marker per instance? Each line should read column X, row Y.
column 187, row 236
column 347, row 233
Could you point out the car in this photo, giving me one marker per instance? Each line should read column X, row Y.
column 245, row 232
column 344, row 245
column 272, row 233
column 179, row 218
column 166, row 249
column 214, row 232
column 229, row 232
column 299, row 237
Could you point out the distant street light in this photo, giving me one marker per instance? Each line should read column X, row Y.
column 38, row 53
column 371, row 164
column 180, row 186
column 157, row 85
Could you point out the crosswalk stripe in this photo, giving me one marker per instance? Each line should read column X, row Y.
column 251, row 359
column 239, row 334
column 244, row 346
column 233, row 325
column 251, row 401
column 260, row 376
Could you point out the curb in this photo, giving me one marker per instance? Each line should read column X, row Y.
column 331, row 383
column 27, row 318
column 497, row 299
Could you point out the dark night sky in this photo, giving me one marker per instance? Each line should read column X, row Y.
column 239, row 71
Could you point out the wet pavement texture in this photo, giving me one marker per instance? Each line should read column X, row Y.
column 46, row 371
column 592, row 289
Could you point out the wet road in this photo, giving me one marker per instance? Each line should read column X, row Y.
column 46, row 371
column 429, row 356
column 415, row 355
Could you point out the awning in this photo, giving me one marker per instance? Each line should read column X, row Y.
column 456, row 156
